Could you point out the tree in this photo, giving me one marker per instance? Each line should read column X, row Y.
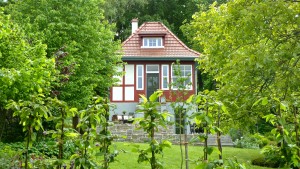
column 80, row 28
column 152, row 119
column 123, row 11
column 251, row 48
column 24, row 70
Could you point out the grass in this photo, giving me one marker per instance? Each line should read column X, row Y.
column 172, row 159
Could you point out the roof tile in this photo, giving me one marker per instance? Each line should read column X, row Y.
column 173, row 47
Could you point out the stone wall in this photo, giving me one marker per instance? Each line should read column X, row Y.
column 131, row 133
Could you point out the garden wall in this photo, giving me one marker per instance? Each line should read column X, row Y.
column 129, row 132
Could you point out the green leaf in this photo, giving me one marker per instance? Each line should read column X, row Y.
column 264, row 101
column 167, row 143
column 145, row 100
column 40, row 90
column 190, row 99
column 210, row 150
column 72, row 134
column 155, row 96
column 283, row 106
column 74, row 156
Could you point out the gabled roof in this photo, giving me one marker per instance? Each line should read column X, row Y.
column 173, row 47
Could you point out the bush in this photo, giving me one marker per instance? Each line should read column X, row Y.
column 261, row 140
column 246, row 142
column 252, row 141
column 9, row 158
column 273, row 155
column 235, row 134
column 262, row 161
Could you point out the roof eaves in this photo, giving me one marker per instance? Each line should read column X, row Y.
column 151, row 58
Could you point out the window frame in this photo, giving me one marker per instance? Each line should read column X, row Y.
column 164, row 76
column 188, row 87
column 148, row 39
column 137, row 77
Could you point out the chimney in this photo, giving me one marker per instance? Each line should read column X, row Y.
column 134, row 25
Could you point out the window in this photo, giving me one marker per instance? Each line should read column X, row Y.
column 152, row 42
column 152, row 69
column 139, row 77
column 165, row 77
column 185, row 74
column 119, row 76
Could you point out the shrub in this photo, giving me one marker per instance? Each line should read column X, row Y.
column 246, row 142
column 262, row 161
column 235, row 134
column 9, row 158
column 273, row 154
column 261, row 140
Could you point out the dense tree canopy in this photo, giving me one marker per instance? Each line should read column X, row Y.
column 251, row 48
column 171, row 12
column 80, row 29
column 24, row 68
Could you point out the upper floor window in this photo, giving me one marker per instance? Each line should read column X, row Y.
column 152, row 42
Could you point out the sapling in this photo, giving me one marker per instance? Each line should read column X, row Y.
column 152, row 119
column 92, row 119
column 31, row 112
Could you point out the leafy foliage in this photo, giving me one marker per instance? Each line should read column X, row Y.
column 152, row 119
column 24, row 68
column 80, row 28
column 31, row 114
column 210, row 115
column 245, row 40
column 256, row 40
column 92, row 143
column 122, row 12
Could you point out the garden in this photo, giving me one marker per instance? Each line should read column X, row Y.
column 58, row 60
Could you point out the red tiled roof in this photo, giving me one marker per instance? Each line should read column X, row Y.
column 173, row 47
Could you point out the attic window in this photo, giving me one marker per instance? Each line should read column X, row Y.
column 152, row 42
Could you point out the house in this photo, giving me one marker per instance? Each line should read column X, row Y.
column 149, row 53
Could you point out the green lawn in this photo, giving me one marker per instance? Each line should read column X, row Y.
column 171, row 158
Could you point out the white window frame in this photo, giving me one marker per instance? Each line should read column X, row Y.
column 137, row 77
column 120, row 75
column 148, row 42
column 188, row 87
column 149, row 71
column 164, row 76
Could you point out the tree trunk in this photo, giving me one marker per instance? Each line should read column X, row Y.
column 61, row 141
column 180, row 139
column 106, row 162
column 27, row 147
column 153, row 160
column 219, row 136
column 75, row 121
column 205, row 139
column 297, row 129
column 186, row 149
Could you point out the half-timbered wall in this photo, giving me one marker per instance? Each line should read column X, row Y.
column 134, row 82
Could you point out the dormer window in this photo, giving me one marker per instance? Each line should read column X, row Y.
column 152, row 42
